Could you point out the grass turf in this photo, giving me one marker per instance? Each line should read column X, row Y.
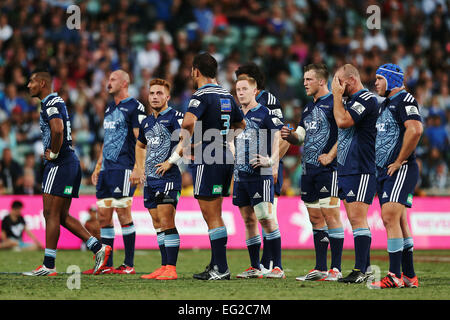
column 431, row 268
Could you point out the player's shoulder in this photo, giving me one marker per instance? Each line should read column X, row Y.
column 405, row 102
column 365, row 100
column 268, row 99
column 404, row 98
column 132, row 104
column 52, row 100
column 172, row 113
column 53, row 105
column 366, row 97
column 270, row 115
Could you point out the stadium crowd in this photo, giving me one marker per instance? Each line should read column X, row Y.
column 158, row 38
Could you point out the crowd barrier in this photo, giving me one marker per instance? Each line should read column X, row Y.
column 429, row 219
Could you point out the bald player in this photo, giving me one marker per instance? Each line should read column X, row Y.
column 356, row 120
column 112, row 173
column 62, row 176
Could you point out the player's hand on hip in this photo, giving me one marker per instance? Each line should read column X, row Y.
column 137, row 176
column 163, row 167
column 324, row 159
column 261, row 161
column 394, row 166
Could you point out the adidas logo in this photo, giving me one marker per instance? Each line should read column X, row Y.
column 146, row 125
column 325, row 239
column 257, row 196
column 324, row 189
column 350, row 194
column 385, row 195
column 117, row 189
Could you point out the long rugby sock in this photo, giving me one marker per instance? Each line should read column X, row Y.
column 162, row 248
column 129, row 240
column 336, row 246
column 265, row 258
column 219, row 238
column 254, row 246
column 321, row 246
column 407, row 257
column 274, row 244
column 368, row 254
column 49, row 258
column 395, row 248
column 362, row 238
column 107, row 234
column 93, row 244
column 172, row 244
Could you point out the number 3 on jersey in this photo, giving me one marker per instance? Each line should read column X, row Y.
column 226, row 118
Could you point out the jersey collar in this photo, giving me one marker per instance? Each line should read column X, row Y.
column 125, row 100
column 255, row 108
column 403, row 90
column 165, row 111
column 323, row 97
column 208, row 85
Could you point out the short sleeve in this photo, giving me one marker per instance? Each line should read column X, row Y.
column 177, row 120
column 138, row 115
column 273, row 122
column 196, row 106
column 276, row 110
column 360, row 108
column 141, row 136
column 237, row 115
column 409, row 111
column 53, row 111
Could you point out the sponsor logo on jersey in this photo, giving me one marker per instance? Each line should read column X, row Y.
column 225, row 105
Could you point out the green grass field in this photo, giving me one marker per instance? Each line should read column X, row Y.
column 431, row 267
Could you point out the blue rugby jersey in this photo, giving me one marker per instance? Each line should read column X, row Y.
column 119, row 139
column 159, row 137
column 321, row 133
column 268, row 100
column 356, row 144
column 394, row 112
column 216, row 109
column 257, row 138
column 53, row 106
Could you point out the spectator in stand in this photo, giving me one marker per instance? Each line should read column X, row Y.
column 11, row 100
column 436, row 134
column 11, row 173
column 13, row 226
column 277, row 35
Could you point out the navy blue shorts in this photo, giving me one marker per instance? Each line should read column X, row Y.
column 212, row 180
column 114, row 184
column 250, row 193
column 400, row 186
column 161, row 192
column 357, row 187
column 62, row 180
column 320, row 185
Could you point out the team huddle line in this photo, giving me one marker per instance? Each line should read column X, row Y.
column 353, row 148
